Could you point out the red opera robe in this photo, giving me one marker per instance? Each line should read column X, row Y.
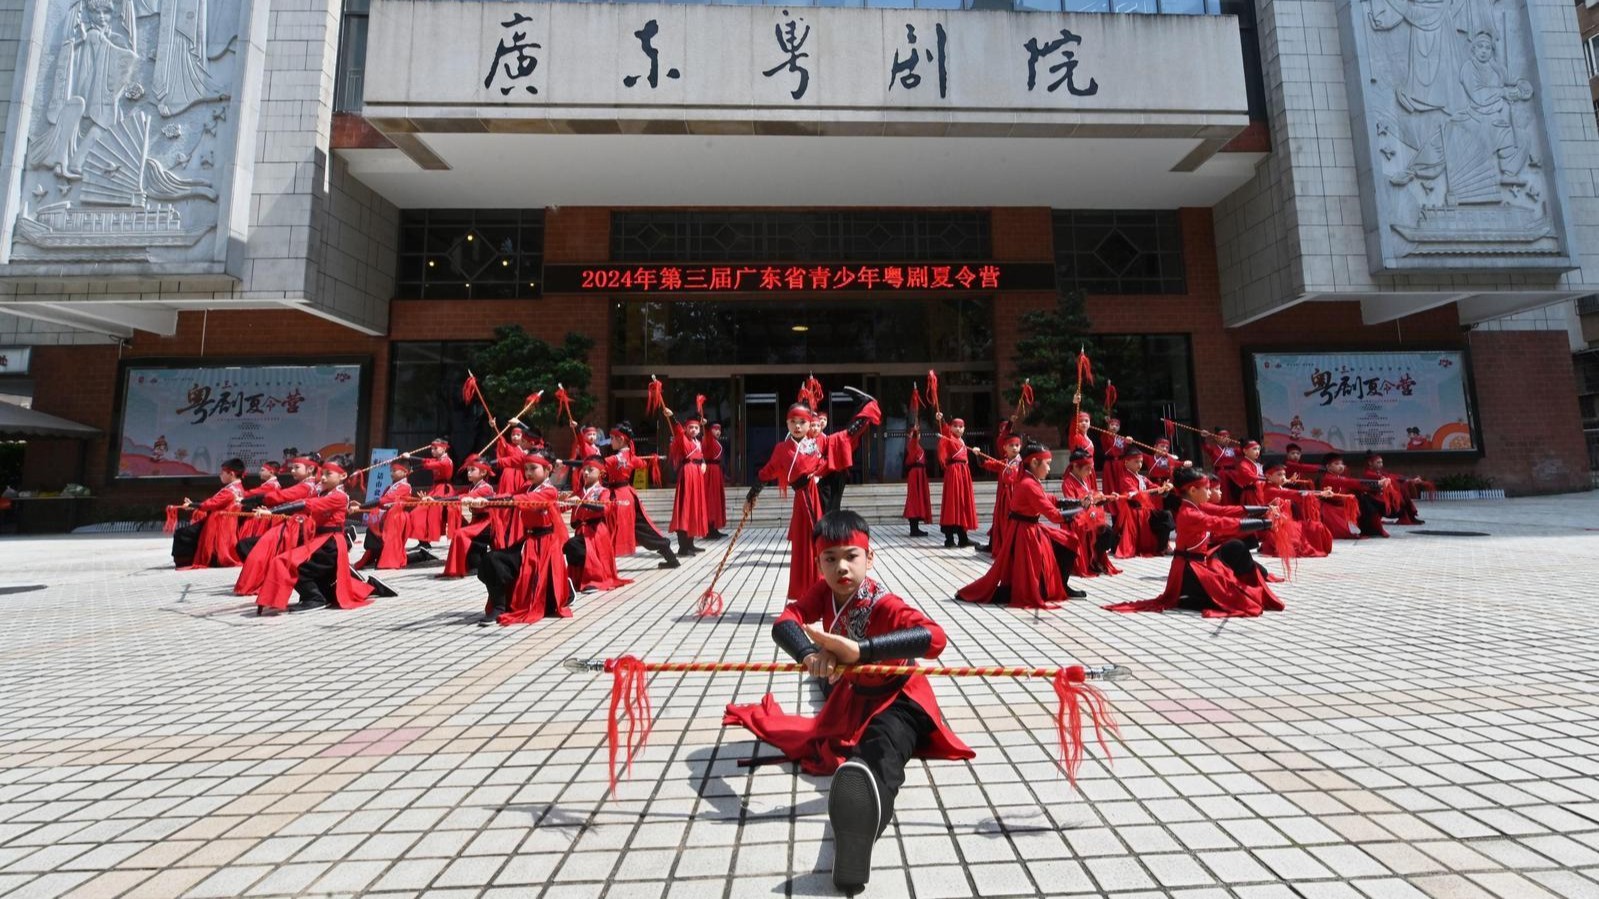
column 1090, row 562
column 715, row 482
column 462, row 532
column 958, row 507
column 1247, row 481
column 255, row 527
column 688, row 501
column 795, row 464
column 1025, row 561
column 1134, row 536
column 1302, row 471
column 1080, row 441
column 625, row 505
column 219, row 534
column 279, row 537
column 1111, row 448
column 1315, row 540
column 427, row 520
column 1229, row 596
column 392, row 520
column 509, row 457
column 542, row 577
column 822, row 743
column 1222, row 461
column 1000, row 527
column 1159, row 470
column 918, row 494
column 599, row 559
column 1395, row 500
column 326, row 513
column 1342, row 516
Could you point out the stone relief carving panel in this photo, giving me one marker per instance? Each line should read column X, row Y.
column 1456, row 168
column 131, row 112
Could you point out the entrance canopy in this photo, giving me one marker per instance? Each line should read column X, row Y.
column 20, row 423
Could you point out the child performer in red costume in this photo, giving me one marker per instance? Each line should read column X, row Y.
column 1246, row 477
column 1315, row 540
column 589, row 558
column 211, row 542
column 715, row 482
column 1034, row 561
column 797, row 463
column 510, row 452
column 1296, row 466
column 870, row 726
column 1111, row 447
column 1158, row 468
column 389, row 521
column 1097, row 533
column 957, row 510
column 918, row 494
column 1143, row 524
column 1219, row 580
column 281, row 536
column 527, row 580
column 1007, row 467
column 1397, row 499
column 252, row 526
column 1368, row 499
column 838, row 448
column 630, row 526
column 472, row 530
column 688, row 501
column 427, row 519
column 1222, row 451
column 318, row 570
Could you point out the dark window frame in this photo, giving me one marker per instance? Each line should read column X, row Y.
column 1119, row 252
column 433, row 243
column 647, row 235
column 349, row 85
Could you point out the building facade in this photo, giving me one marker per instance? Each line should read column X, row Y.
column 735, row 197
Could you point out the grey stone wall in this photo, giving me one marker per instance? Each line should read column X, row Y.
column 1297, row 229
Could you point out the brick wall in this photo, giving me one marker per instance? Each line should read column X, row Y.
column 1527, row 405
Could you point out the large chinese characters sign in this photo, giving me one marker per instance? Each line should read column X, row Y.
column 1353, row 401
column 795, row 278
column 184, row 422
column 508, row 59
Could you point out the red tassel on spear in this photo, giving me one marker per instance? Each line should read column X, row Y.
column 814, row 388
column 1285, row 533
column 1085, row 369
column 916, row 402
column 563, row 403
column 932, row 389
column 171, row 524
column 655, row 397
column 1110, row 396
column 1171, row 430
column 1027, row 400
column 1074, row 696
column 699, row 404
column 469, row 390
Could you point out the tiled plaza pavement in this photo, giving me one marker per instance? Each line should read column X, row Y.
column 1423, row 720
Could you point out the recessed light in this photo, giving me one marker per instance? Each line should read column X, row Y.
column 469, row 238
column 504, row 262
column 431, row 263
column 800, row 328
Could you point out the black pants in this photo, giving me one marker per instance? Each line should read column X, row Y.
column 317, row 573
column 891, row 738
column 830, row 490
column 1235, row 555
column 1161, row 524
column 245, row 546
column 1370, row 514
column 373, row 544
column 185, row 540
column 651, row 539
column 498, row 571
column 1105, row 539
column 577, row 552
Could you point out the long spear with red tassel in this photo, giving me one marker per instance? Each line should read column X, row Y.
column 710, row 603
column 470, row 389
column 630, row 696
column 532, row 402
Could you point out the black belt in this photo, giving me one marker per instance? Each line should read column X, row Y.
column 539, row 532
column 330, row 529
column 915, row 464
column 799, row 484
column 1190, row 555
column 955, row 462
column 614, row 485
column 1030, row 519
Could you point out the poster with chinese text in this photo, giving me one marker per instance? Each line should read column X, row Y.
column 185, row 422
column 1357, row 401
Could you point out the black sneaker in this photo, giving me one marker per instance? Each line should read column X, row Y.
column 304, row 606
column 669, row 563
column 949, row 541
column 1075, row 593
column 855, row 809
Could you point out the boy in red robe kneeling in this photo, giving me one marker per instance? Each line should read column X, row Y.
column 1211, row 570
column 870, row 725
column 208, row 541
column 319, row 569
column 527, row 580
column 590, row 560
column 1034, row 562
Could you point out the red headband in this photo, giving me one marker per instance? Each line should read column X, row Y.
column 400, row 464
column 1041, row 454
column 1013, row 439
column 481, row 465
column 440, row 441
column 957, row 422
column 855, row 538
column 798, row 411
column 301, row 460
column 334, row 467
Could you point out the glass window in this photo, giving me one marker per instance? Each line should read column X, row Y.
column 462, row 254
column 1119, row 252
column 350, row 82
column 674, row 236
column 425, row 381
column 1154, row 380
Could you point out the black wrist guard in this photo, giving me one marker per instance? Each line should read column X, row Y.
column 906, row 643
column 1068, row 503
column 289, row 508
column 857, row 425
column 250, row 502
column 1067, row 513
column 1251, row 525
column 1256, row 511
column 791, row 637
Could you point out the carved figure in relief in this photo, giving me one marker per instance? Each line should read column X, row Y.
column 94, row 71
column 1428, row 20
column 182, row 58
column 1489, row 93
